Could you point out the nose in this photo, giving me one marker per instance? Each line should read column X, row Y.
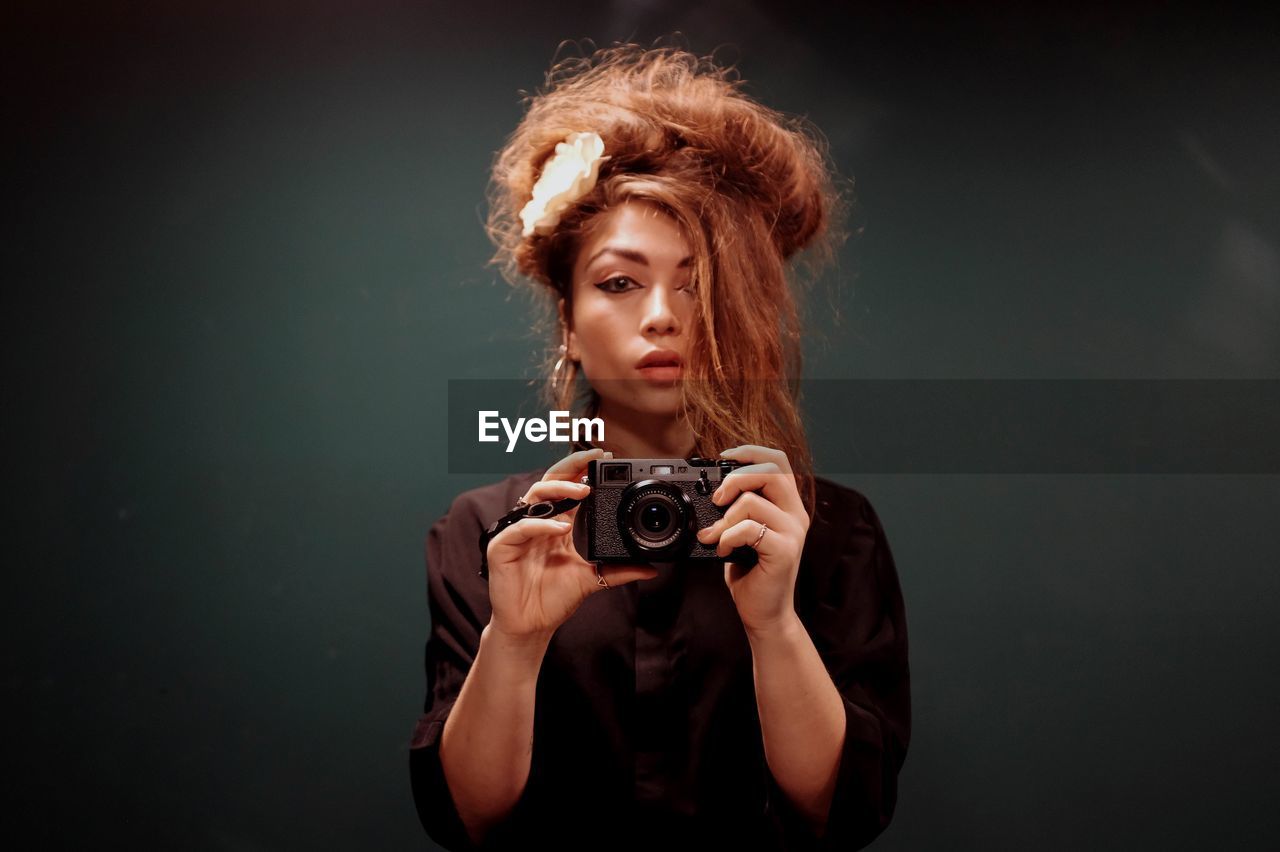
column 659, row 313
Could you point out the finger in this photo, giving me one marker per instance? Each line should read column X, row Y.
column 554, row 489
column 573, row 465
column 751, row 453
column 758, row 467
column 749, row 506
column 744, row 533
column 527, row 530
column 763, row 467
column 779, row 488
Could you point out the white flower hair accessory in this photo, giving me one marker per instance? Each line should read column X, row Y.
column 569, row 174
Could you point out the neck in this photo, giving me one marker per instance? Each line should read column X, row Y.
column 635, row 435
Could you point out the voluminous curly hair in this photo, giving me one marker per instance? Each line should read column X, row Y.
column 749, row 187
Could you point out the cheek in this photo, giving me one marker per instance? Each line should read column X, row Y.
column 598, row 345
column 599, row 330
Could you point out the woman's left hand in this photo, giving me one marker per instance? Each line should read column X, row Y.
column 763, row 492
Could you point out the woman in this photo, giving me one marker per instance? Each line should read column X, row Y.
column 627, row 705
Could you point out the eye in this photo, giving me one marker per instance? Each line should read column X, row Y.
column 608, row 285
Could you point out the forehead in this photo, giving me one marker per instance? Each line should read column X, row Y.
column 638, row 226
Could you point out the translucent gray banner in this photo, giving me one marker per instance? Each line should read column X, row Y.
column 968, row 426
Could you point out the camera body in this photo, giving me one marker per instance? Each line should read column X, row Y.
column 650, row 510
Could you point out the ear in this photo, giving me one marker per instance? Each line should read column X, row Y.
column 572, row 342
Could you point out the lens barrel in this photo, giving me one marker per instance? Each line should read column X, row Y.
column 655, row 518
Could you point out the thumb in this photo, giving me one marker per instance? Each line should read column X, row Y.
column 620, row 575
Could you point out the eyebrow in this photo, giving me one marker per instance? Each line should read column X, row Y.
column 633, row 256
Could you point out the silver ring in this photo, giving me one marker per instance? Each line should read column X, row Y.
column 764, row 528
column 600, row 580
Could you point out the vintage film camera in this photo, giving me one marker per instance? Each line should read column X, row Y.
column 650, row 510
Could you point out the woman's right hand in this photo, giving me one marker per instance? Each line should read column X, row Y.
column 536, row 577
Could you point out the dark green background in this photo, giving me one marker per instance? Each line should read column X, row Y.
column 243, row 255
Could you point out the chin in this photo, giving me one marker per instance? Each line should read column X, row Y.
column 648, row 401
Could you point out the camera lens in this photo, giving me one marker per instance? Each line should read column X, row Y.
column 655, row 519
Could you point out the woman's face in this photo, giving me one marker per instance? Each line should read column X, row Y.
column 633, row 308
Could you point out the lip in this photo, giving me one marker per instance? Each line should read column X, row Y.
column 659, row 358
column 661, row 373
column 660, row 366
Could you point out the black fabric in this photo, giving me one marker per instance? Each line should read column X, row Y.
column 646, row 730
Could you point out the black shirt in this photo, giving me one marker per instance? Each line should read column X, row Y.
column 646, row 729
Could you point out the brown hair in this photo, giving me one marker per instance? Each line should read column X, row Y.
column 749, row 187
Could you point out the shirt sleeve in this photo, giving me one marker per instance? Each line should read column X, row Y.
column 858, row 624
column 459, row 608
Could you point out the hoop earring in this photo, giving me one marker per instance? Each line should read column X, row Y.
column 555, row 372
